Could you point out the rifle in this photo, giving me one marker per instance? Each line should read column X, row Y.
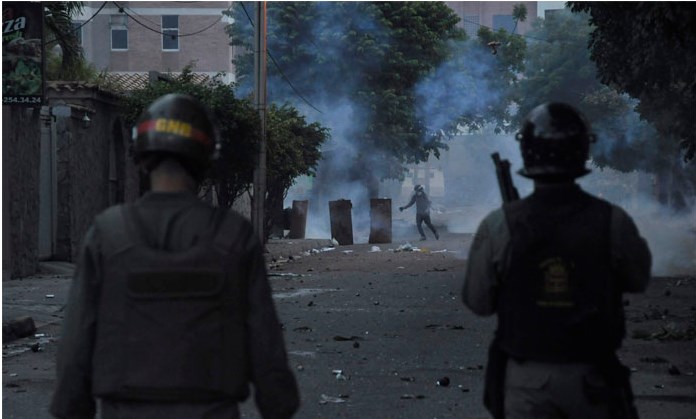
column 502, row 170
column 494, row 387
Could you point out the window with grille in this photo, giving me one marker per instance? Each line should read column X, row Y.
column 471, row 25
column 170, row 33
column 119, row 32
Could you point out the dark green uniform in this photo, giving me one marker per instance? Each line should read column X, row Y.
column 553, row 267
column 135, row 370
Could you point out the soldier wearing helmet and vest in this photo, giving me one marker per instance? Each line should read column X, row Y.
column 170, row 312
column 553, row 267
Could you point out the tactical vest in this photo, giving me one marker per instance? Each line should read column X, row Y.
column 559, row 301
column 171, row 325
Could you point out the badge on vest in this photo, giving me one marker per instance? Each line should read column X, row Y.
column 555, row 291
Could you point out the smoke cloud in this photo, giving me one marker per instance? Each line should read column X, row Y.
column 470, row 185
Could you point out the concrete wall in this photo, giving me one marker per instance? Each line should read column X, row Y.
column 20, row 190
column 93, row 172
column 209, row 49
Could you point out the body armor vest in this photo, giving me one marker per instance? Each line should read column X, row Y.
column 171, row 325
column 558, row 301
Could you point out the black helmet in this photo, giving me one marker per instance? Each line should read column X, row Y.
column 179, row 125
column 418, row 188
column 555, row 142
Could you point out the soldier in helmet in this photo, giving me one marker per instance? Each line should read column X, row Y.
column 420, row 198
column 170, row 312
column 553, row 267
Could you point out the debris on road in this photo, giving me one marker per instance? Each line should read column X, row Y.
column 330, row 399
column 654, row 360
column 340, row 338
column 444, row 327
column 18, row 328
column 339, row 375
column 412, row 396
column 673, row 370
column 443, row 382
column 284, row 274
column 407, row 247
column 375, row 249
column 322, row 250
column 302, row 329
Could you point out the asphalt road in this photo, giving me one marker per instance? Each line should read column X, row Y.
column 370, row 334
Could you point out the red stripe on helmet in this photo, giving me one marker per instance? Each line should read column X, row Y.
column 200, row 136
column 146, row 126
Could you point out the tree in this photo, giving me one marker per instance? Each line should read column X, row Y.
column 356, row 64
column 294, row 147
column 293, row 144
column 58, row 21
column 558, row 68
column 646, row 49
column 237, row 120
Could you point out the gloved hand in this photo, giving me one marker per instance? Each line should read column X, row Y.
column 401, row 209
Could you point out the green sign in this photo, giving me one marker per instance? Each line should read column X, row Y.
column 22, row 53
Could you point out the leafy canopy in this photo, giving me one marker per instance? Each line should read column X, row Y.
column 365, row 56
column 646, row 49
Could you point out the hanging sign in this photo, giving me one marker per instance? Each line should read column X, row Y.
column 22, row 53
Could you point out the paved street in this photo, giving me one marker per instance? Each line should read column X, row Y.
column 370, row 333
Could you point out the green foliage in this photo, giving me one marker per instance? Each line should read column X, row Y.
column 293, row 150
column 370, row 54
column 293, row 144
column 58, row 22
column 646, row 49
column 519, row 12
column 237, row 120
column 559, row 68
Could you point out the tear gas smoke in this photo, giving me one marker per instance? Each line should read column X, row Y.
column 470, row 184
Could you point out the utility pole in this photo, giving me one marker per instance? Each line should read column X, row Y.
column 257, row 216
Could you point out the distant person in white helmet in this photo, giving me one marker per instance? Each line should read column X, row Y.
column 420, row 198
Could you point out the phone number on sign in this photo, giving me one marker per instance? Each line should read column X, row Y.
column 21, row 99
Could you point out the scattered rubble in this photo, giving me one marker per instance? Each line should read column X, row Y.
column 412, row 396
column 444, row 327
column 443, row 382
column 330, row 399
column 18, row 328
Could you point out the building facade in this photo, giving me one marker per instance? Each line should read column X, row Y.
column 492, row 14
column 135, row 37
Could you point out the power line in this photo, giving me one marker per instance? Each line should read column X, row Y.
column 83, row 24
column 123, row 10
column 282, row 74
column 516, row 34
